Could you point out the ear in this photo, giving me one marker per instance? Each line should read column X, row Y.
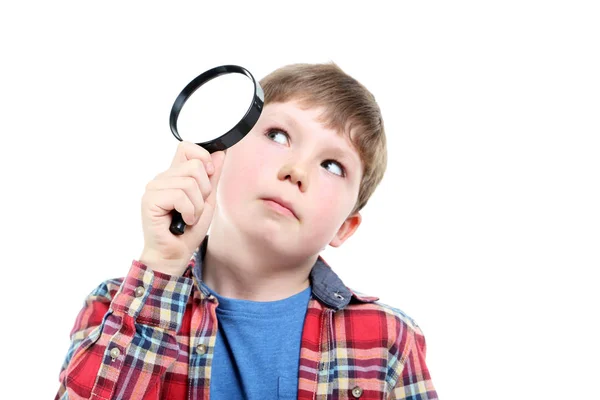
column 346, row 230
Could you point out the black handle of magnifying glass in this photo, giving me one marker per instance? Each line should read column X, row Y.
column 225, row 141
column 177, row 224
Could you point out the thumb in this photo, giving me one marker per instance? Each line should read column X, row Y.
column 218, row 159
column 198, row 231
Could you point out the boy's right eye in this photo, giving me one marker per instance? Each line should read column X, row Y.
column 278, row 135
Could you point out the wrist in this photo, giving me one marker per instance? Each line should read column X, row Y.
column 162, row 265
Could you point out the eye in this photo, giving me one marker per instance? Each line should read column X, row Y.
column 278, row 135
column 334, row 167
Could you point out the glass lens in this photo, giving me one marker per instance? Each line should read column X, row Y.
column 215, row 107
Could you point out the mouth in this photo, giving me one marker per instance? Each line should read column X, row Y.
column 281, row 206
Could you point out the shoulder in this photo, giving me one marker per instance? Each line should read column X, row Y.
column 389, row 322
column 384, row 334
column 361, row 301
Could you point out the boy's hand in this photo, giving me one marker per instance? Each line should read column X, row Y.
column 188, row 186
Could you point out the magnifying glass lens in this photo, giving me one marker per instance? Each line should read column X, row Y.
column 215, row 108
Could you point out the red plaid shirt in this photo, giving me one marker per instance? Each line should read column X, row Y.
column 152, row 336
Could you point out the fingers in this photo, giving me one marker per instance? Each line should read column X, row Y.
column 192, row 169
column 189, row 151
column 186, row 185
column 174, row 188
column 176, row 199
column 183, row 188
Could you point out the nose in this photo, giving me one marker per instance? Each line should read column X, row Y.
column 295, row 173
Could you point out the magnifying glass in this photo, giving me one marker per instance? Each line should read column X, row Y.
column 218, row 116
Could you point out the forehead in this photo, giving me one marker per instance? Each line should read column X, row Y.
column 309, row 120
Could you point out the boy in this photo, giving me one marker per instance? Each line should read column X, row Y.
column 253, row 311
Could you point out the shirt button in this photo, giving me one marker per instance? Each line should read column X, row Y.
column 201, row 349
column 139, row 291
column 357, row 391
column 115, row 353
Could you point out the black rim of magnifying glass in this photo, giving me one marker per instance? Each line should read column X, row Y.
column 241, row 129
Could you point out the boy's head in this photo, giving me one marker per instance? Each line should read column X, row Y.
column 349, row 108
column 318, row 148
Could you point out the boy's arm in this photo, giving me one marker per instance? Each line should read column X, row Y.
column 124, row 338
column 414, row 381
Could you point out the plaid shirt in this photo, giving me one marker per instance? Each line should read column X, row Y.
column 152, row 336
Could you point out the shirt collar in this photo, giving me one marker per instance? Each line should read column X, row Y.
column 326, row 285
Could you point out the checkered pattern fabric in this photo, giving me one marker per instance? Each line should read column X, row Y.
column 152, row 336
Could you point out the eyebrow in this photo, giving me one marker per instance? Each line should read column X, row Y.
column 289, row 120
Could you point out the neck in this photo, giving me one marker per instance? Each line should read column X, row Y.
column 237, row 267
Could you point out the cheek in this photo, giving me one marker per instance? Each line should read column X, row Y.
column 241, row 170
column 330, row 208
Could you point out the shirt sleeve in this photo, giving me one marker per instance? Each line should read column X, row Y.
column 124, row 338
column 414, row 381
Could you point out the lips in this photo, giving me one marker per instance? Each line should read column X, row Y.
column 282, row 203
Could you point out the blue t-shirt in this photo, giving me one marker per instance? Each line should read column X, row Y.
column 257, row 350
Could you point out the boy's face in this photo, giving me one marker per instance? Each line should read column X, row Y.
column 290, row 157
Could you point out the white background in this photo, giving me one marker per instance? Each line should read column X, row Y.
column 486, row 228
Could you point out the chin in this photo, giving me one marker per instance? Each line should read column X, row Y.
column 272, row 234
column 268, row 237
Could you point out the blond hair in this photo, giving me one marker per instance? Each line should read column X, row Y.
column 349, row 109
